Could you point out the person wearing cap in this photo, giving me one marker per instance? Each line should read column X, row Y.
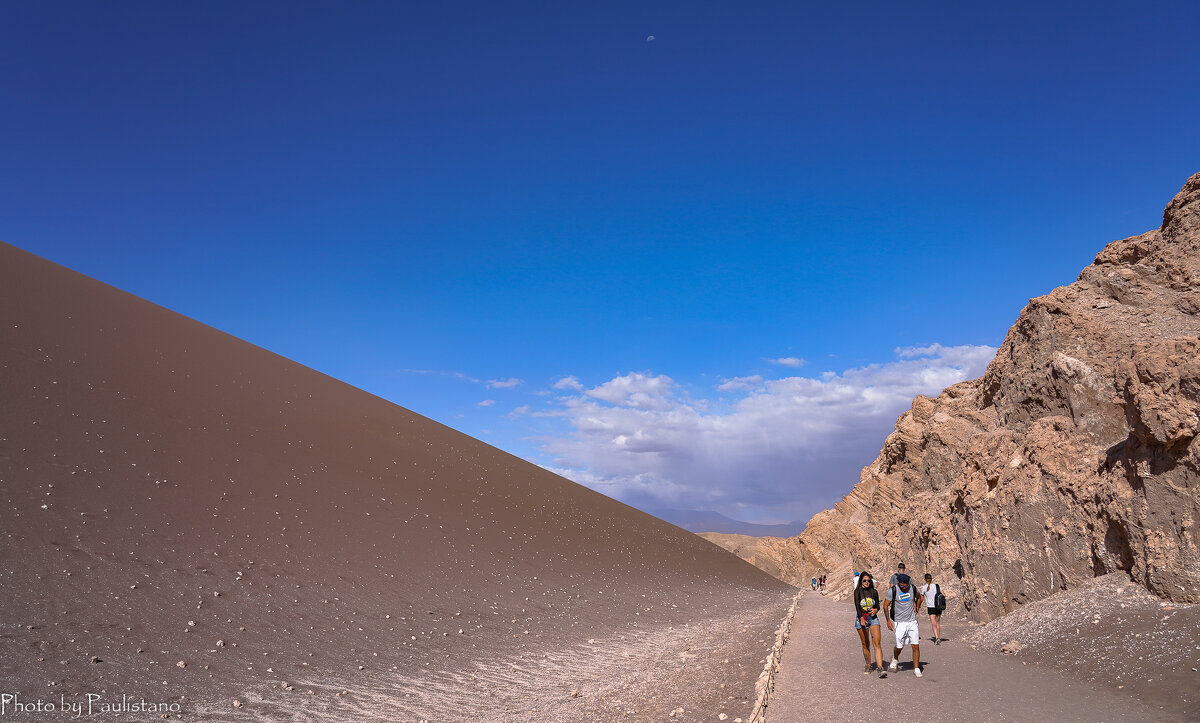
column 899, row 571
column 900, row 607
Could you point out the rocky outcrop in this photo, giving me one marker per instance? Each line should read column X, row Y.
column 776, row 556
column 1075, row 455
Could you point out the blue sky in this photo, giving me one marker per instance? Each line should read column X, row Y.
column 422, row 198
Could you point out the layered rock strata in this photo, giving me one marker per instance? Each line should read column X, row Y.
column 1075, row 455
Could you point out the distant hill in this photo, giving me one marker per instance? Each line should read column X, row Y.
column 709, row 521
column 776, row 556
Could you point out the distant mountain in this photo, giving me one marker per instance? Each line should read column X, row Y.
column 709, row 521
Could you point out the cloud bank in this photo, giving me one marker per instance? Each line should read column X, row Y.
column 759, row 448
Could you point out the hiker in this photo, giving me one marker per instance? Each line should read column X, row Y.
column 814, row 583
column 822, row 583
column 935, row 603
column 900, row 605
column 866, row 622
column 899, row 571
column 856, row 576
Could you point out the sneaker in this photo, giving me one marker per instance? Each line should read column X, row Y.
column 867, row 669
column 937, row 641
column 917, row 671
column 892, row 666
column 882, row 673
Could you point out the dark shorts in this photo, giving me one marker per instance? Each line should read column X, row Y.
column 933, row 611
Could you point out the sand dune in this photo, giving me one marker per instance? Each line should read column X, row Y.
column 189, row 518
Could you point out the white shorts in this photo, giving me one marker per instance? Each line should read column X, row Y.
column 907, row 634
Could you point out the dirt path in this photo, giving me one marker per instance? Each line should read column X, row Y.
column 821, row 678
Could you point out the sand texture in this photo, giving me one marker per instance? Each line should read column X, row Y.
column 189, row 518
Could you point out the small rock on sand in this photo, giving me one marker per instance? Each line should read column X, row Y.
column 1012, row 647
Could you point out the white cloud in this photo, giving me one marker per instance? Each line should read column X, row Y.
column 635, row 390
column 443, row 373
column 738, row 384
column 487, row 403
column 794, row 445
column 789, row 361
column 568, row 383
column 504, row 383
column 490, row 383
column 519, row 411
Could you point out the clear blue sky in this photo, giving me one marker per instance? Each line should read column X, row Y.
column 535, row 191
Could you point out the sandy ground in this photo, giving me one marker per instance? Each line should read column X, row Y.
column 822, row 680
column 1112, row 633
column 633, row 675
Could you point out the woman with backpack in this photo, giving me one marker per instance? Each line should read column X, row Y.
column 866, row 622
column 935, row 603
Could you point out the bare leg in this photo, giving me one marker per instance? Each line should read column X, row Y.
column 916, row 656
column 937, row 626
column 866, row 645
column 878, row 645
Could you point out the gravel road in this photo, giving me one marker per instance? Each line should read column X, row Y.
column 821, row 678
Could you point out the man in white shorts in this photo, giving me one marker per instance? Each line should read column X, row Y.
column 900, row 608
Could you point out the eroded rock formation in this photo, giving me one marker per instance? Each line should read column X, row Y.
column 776, row 556
column 1075, row 455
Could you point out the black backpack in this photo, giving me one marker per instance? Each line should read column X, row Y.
column 896, row 598
column 939, row 600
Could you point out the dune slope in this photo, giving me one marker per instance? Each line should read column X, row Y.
column 190, row 518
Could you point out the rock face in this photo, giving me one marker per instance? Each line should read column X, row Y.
column 1075, row 455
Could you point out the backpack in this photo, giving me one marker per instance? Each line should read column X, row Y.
column 939, row 600
column 896, row 598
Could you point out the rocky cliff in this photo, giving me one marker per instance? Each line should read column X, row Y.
column 1075, row 455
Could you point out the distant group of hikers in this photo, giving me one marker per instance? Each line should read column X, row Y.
column 818, row 583
column 900, row 604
